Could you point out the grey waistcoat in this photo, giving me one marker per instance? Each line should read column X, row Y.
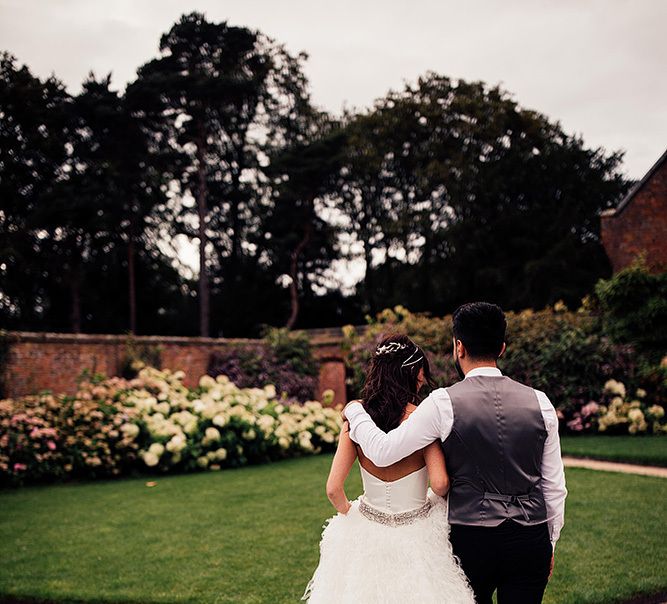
column 494, row 453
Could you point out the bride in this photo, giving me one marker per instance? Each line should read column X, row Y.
column 392, row 543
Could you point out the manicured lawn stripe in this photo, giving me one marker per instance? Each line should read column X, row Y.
column 644, row 450
column 251, row 536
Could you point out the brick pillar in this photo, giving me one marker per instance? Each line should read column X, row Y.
column 332, row 368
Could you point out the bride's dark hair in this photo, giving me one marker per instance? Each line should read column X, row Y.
column 392, row 380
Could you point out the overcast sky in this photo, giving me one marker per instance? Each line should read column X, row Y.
column 598, row 66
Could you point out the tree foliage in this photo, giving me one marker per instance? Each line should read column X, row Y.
column 445, row 190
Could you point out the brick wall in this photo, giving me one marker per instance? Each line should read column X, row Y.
column 639, row 226
column 50, row 361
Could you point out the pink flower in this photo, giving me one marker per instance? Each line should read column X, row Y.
column 590, row 409
column 575, row 424
column 19, row 467
column 51, row 445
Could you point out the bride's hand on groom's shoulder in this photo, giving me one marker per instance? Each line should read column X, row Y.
column 344, row 411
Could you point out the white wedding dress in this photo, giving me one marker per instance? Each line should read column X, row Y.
column 391, row 547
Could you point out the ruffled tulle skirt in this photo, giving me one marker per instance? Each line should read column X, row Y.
column 363, row 561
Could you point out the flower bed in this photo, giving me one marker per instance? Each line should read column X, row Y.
column 619, row 412
column 154, row 423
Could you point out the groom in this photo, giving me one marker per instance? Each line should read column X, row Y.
column 500, row 440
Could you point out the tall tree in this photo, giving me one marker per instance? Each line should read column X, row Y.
column 300, row 242
column 476, row 197
column 34, row 131
column 222, row 95
column 115, row 160
column 363, row 186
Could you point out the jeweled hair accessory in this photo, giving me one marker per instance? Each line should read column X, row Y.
column 409, row 362
column 389, row 348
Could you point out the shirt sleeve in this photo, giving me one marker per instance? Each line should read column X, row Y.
column 553, row 473
column 432, row 420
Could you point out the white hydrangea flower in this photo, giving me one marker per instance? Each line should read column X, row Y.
column 305, row 444
column 636, row 416
column 206, row 381
column 163, row 408
column 150, row 459
column 212, row 435
column 265, row 422
column 210, row 410
column 176, row 444
column 220, row 420
column 156, row 449
column 130, row 431
column 216, row 393
column 190, row 427
column 615, row 387
column 657, row 411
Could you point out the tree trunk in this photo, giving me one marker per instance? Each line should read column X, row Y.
column 369, row 282
column 75, row 293
column 235, row 252
column 202, row 211
column 131, row 277
column 294, row 274
column 426, row 293
column 364, row 232
column 235, row 221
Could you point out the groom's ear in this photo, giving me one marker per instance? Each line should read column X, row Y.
column 502, row 350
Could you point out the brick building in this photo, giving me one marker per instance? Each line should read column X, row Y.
column 639, row 224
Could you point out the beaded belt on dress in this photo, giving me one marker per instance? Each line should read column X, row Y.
column 398, row 519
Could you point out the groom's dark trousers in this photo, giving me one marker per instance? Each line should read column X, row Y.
column 511, row 558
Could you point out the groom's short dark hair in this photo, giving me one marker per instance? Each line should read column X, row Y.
column 481, row 327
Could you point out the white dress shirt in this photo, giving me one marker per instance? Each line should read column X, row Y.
column 433, row 419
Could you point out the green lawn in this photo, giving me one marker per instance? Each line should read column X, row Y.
column 646, row 450
column 251, row 535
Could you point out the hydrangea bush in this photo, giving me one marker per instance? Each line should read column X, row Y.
column 154, row 423
column 620, row 412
